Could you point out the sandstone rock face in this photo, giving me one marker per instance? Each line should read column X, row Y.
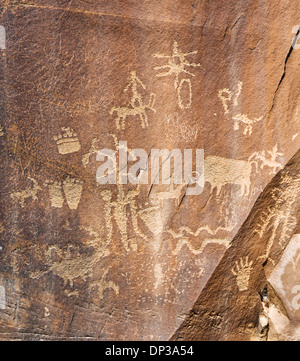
column 148, row 261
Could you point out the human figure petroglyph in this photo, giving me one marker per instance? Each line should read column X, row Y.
column 248, row 123
column 282, row 221
column 242, row 272
column 177, row 64
column 116, row 210
column 137, row 106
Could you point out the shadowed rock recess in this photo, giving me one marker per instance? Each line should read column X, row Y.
column 81, row 260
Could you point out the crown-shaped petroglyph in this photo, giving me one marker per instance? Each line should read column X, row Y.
column 67, row 141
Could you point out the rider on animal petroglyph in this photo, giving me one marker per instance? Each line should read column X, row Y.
column 137, row 107
column 271, row 162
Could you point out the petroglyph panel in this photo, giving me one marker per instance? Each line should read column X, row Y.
column 85, row 260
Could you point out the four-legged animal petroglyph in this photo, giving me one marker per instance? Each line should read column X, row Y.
column 74, row 265
column 248, row 123
column 222, row 171
column 227, row 96
column 137, row 106
column 30, row 192
column 174, row 193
